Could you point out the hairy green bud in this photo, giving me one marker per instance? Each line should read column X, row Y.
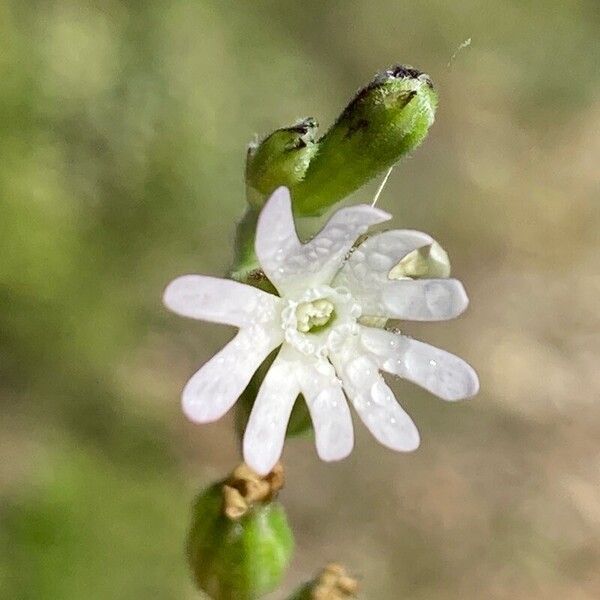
column 279, row 159
column 386, row 119
column 282, row 158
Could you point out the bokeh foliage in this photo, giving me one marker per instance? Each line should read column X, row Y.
column 123, row 127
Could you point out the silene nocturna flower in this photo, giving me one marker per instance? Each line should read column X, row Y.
column 328, row 322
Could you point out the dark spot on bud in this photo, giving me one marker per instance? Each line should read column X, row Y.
column 356, row 126
column 297, row 145
column 304, row 126
column 404, row 99
column 311, row 122
column 402, row 71
column 408, row 72
column 258, row 279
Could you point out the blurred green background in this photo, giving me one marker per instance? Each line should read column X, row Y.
column 123, row 128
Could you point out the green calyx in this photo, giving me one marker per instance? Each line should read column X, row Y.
column 282, row 158
column 386, row 119
column 238, row 549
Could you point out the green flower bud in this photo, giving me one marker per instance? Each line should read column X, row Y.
column 387, row 119
column 333, row 583
column 280, row 159
column 239, row 542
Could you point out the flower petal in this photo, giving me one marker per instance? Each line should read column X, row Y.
column 416, row 300
column 265, row 432
column 443, row 374
column 368, row 267
column 374, row 400
column 332, row 422
column 213, row 390
column 326, row 252
column 423, row 299
column 292, row 266
column 366, row 275
column 220, row 301
column 276, row 237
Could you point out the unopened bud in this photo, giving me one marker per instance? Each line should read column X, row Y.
column 386, row 119
column 240, row 542
column 282, row 158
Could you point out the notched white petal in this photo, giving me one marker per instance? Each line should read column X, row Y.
column 213, row 390
column 293, row 266
column 374, row 401
column 276, row 237
column 419, row 300
column 326, row 252
column 332, row 422
column 369, row 265
column 265, row 433
column 220, row 301
column 440, row 372
column 394, row 245
column 367, row 275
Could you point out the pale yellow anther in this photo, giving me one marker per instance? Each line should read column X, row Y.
column 429, row 261
column 311, row 315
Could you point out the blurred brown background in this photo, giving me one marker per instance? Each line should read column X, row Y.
column 123, row 128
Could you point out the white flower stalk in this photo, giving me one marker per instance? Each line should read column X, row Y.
column 326, row 353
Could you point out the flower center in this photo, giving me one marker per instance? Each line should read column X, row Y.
column 319, row 320
column 314, row 316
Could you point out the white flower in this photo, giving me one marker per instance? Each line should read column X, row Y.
column 326, row 353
